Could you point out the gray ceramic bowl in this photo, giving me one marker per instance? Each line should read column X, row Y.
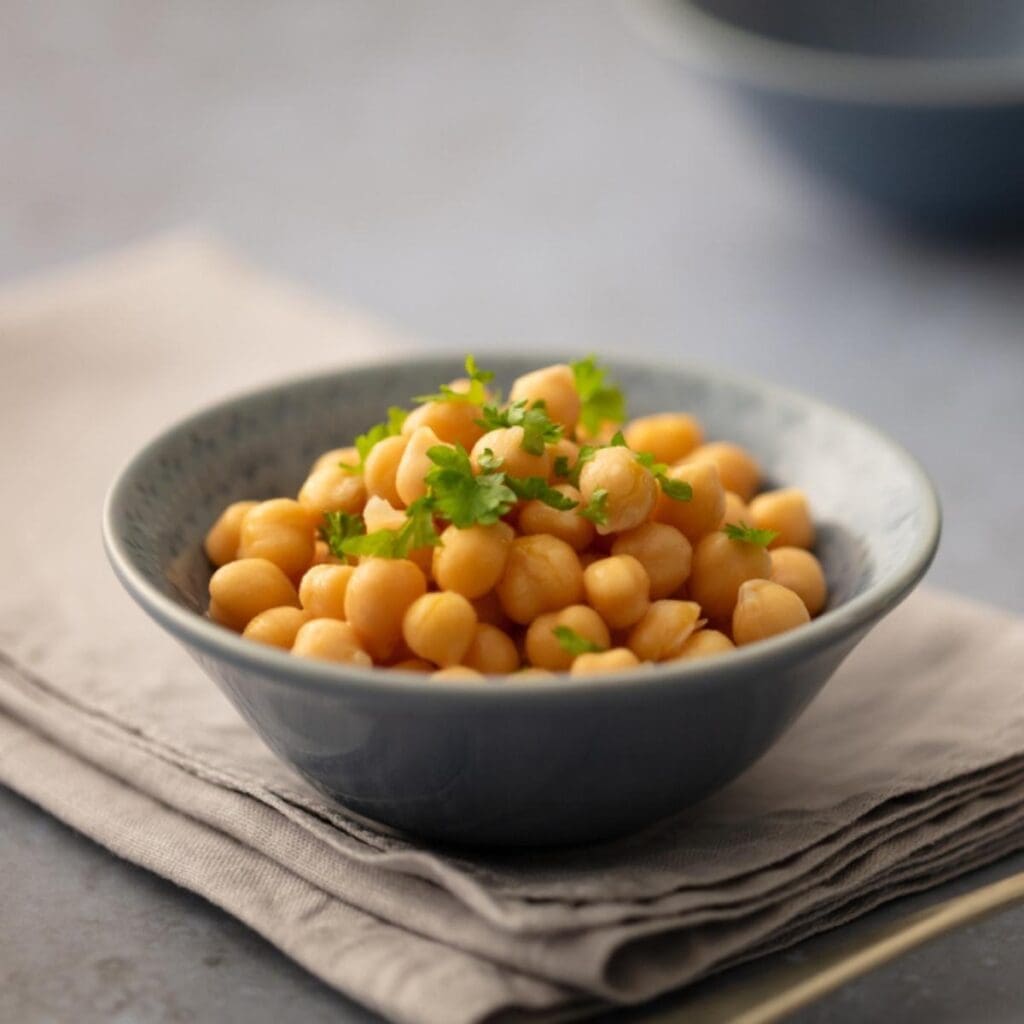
column 916, row 104
column 531, row 762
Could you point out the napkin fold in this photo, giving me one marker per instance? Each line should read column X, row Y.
column 907, row 770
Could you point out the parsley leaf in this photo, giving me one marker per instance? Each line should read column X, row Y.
column 536, row 488
column 337, row 528
column 571, row 642
column 475, row 394
column 462, row 496
column 572, row 474
column 601, row 400
column 748, row 534
column 488, row 461
column 377, row 433
column 538, row 428
column 677, row 490
column 596, row 510
column 417, row 532
column 562, row 467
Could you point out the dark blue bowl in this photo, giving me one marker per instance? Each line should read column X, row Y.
column 917, row 105
column 534, row 761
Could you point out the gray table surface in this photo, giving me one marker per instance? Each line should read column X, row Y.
column 484, row 174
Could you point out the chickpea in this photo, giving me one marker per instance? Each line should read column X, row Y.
column 336, row 456
column 439, row 627
column 787, row 513
column 720, row 566
column 666, row 626
column 456, row 672
column 506, row 443
column 632, row 489
column 452, row 422
column 416, row 464
column 330, row 640
column 413, row 665
column 555, row 386
column 221, row 542
column 801, row 572
column 542, row 574
column 322, row 590
column 542, row 647
column 764, row 609
column 381, row 469
column 568, row 525
column 276, row 626
column 663, row 551
column 471, row 561
column 333, row 489
column 603, row 435
column 703, row 512
column 669, row 437
column 736, row 510
column 242, row 589
column 737, row 468
column 615, row 660
column 378, row 595
column 491, row 651
column 706, row 643
column 618, row 589
column 282, row 531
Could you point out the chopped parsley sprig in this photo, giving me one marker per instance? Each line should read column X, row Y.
column 572, row 643
column 463, row 497
column 748, row 534
column 677, row 490
column 475, row 394
column 365, row 443
column 339, row 527
column 416, row 532
column 601, row 401
column 538, row 428
column 536, row 488
column 596, row 510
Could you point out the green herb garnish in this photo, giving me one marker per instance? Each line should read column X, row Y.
column 677, row 490
column 572, row 643
column 596, row 510
column 377, row 433
column 536, row 488
column 462, row 496
column 601, row 401
column 417, row 532
column 748, row 534
column 337, row 528
column 538, row 427
column 475, row 394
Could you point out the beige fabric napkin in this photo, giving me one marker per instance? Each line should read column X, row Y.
column 907, row 770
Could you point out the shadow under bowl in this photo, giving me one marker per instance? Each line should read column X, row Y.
column 532, row 762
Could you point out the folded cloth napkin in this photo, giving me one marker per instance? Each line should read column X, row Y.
column 907, row 770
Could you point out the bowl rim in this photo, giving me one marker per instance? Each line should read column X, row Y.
column 720, row 49
column 856, row 615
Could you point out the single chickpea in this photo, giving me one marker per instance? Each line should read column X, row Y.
column 537, row 517
column 322, row 590
column 764, row 609
column 378, row 595
column 456, row 672
column 543, row 649
column 439, row 627
column 380, row 471
column 282, row 531
column 542, row 574
column 705, row 643
column 618, row 589
column 615, row 660
column 703, row 512
column 334, row 457
column 506, row 444
column 242, row 589
column 631, row 488
column 276, row 627
column 452, row 422
column 787, row 513
column 669, row 436
column 413, row 665
column 330, row 640
column 720, row 566
column 663, row 631
column 221, row 542
column 471, row 561
column 333, row 489
column 491, row 651
column 663, row 551
column 555, row 386
column 801, row 572
column 736, row 510
column 737, row 468
column 416, row 464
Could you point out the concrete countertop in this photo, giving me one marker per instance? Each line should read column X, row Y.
column 484, row 174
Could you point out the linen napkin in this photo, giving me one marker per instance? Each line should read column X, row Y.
column 907, row 770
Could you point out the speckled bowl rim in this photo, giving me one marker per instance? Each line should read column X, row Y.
column 715, row 47
column 857, row 614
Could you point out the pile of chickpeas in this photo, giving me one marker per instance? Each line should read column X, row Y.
column 658, row 579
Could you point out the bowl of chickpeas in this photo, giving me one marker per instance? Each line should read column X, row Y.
column 526, row 603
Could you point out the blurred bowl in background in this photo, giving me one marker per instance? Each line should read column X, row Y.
column 917, row 105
